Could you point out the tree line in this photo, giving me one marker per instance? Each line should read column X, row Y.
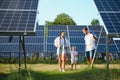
column 65, row 19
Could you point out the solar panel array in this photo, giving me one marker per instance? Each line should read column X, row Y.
column 35, row 43
column 38, row 44
column 77, row 37
column 32, row 43
column 110, row 13
column 18, row 17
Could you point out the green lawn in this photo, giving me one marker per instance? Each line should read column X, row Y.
column 50, row 72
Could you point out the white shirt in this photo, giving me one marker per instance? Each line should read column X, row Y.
column 74, row 55
column 58, row 42
column 89, row 42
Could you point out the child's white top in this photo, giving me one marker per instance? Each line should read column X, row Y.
column 74, row 55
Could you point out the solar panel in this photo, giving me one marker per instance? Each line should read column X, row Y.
column 11, row 47
column 72, row 27
column 110, row 13
column 111, row 21
column 18, row 17
column 18, row 4
column 58, row 27
column 76, row 37
column 117, row 42
column 102, row 48
column 75, row 33
column 34, row 48
column 51, row 48
column 108, row 5
column 32, row 43
column 95, row 28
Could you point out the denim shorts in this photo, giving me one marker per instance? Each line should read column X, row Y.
column 61, row 50
column 90, row 54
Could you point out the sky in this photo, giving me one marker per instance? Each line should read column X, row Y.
column 81, row 11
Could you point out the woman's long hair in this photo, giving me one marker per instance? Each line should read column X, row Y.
column 61, row 33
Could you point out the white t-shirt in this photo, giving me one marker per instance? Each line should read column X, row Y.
column 74, row 55
column 58, row 42
column 90, row 42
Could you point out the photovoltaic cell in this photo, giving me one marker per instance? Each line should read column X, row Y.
column 58, row 27
column 17, row 21
column 110, row 13
column 108, row 5
column 117, row 42
column 112, row 21
column 18, row 17
column 79, row 28
column 32, row 43
column 18, row 4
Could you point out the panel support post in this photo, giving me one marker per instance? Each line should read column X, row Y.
column 19, row 62
column 107, row 58
column 24, row 52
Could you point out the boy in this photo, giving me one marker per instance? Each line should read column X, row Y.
column 74, row 57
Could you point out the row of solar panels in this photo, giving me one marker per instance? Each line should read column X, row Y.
column 39, row 44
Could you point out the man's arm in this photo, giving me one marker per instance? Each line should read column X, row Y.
column 94, row 37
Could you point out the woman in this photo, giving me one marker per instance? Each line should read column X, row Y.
column 61, row 43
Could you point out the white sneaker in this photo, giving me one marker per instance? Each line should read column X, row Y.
column 63, row 70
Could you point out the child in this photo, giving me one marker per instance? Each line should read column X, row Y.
column 74, row 57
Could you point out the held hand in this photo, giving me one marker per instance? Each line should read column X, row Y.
column 68, row 51
column 77, row 55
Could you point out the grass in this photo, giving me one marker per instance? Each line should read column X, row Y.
column 50, row 72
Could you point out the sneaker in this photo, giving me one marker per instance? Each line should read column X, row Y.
column 63, row 70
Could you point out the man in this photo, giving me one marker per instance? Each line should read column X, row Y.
column 89, row 45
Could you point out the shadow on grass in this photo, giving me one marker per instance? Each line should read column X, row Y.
column 86, row 74
column 3, row 76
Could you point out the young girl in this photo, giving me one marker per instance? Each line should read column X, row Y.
column 74, row 57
